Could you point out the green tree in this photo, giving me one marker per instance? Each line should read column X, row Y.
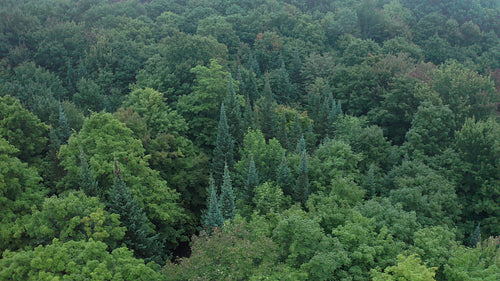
column 104, row 140
column 224, row 148
column 23, row 130
column 75, row 260
column 478, row 146
column 20, row 190
column 284, row 178
column 200, row 106
column 138, row 236
column 88, row 183
column 227, row 198
column 408, row 268
column 213, row 217
column 251, row 182
column 74, row 216
column 265, row 111
column 301, row 192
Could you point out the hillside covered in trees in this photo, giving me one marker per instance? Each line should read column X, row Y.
column 250, row 140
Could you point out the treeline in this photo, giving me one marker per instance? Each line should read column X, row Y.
column 258, row 140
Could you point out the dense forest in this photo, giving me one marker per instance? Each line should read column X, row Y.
column 250, row 140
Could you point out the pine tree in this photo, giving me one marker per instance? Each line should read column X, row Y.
column 88, row 183
column 301, row 193
column 475, row 238
column 223, row 152
column 282, row 135
column 213, row 218
column 227, row 199
column 233, row 112
column 284, row 179
column 64, row 128
column 266, row 107
column 251, row 182
column 296, row 133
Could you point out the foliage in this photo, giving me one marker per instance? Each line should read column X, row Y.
column 407, row 268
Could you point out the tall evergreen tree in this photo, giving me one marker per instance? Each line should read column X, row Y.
column 296, row 133
column 213, row 218
column 310, row 136
column 284, row 179
column 296, row 75
column 223, row 152
column 282, row 135
column 248, row 117
column 301, row 193
column 284, row 90
column 64, row 128
column 233, row 112
column 227, row 199
column 301, row 145
column 251, row 182
column 266, row 112
column 138, row 237
column 88, row 183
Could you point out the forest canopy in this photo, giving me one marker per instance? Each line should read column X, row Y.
column 250, row 140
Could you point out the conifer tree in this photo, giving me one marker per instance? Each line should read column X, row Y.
column 266, row 107
column 284, row 89
column 64, row 128
column 282, row 135
column 233, row 112
column 284, row 179
column 227, row 199
column 301, row 193
column 296, row 133
column 295, row 74
column 223, row 152
column 88, row 183
column 213, row 218
column 248, row 117
column 251, row 182
column 301, row 145
column 138, row 237
column 310, row 136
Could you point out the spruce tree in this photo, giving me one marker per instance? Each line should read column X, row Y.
column 266, row 108
column 223, row 152
column 284, row 179
column 213, row 217
column 64, row 128
column 296, row 75
column 282, row 135
column 301, row 193
column 296, row 133
column 310, row 136
column 248, row 117
column 138, row 237
column 233, row 113
column 284, row 90
column 88, row 184
column 227, row 199
column 251, row 182
column 301, row 145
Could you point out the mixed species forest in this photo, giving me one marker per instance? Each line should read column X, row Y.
column 250, row 140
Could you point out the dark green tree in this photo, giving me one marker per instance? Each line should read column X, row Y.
column 139, row 236
column 282, row 134
column 251, row 182
column 233, row 112
column 266, row 112
column 227, row 199
column 284, row 91
column 223, row 153
column 284, row 179
column 295, row 134
column 213, row 218
column 64, row 128
column 301, row 192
